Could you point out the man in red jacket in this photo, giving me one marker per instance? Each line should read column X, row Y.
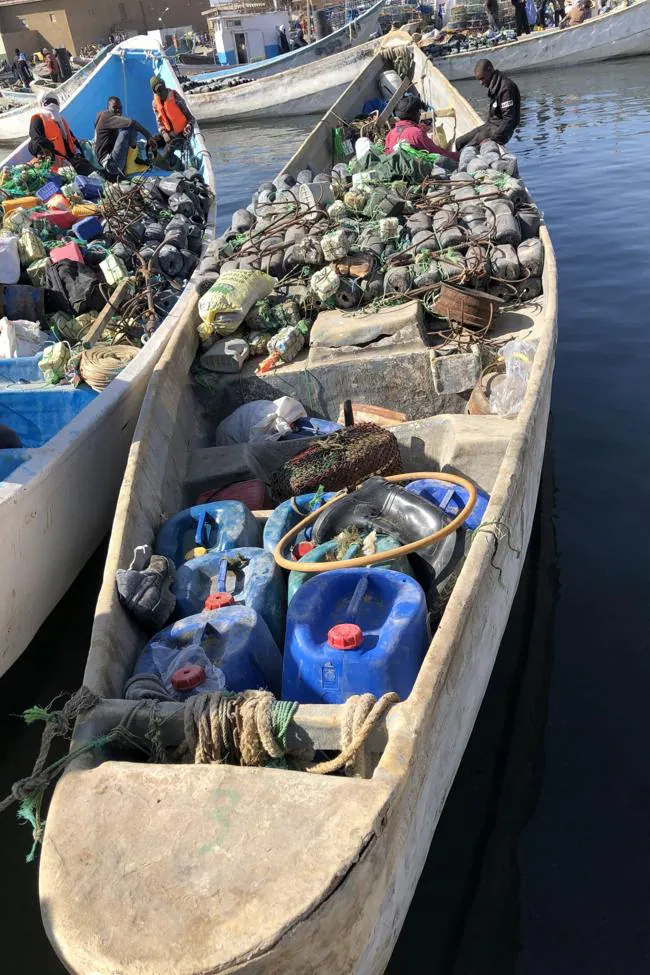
column 408, row 129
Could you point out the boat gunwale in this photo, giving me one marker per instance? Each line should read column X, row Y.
column 536, row 37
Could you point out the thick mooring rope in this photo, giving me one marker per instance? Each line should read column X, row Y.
column 100, row 365
column 360, row 717
column 237, row 729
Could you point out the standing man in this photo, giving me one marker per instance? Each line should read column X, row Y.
column 53, row 66
column 505, row 108
column 21, row 68
column 521, row 20
column 492, row 11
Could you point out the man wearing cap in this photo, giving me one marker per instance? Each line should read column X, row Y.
column 408, row 128
column 505, row 108
column 50, row 137
column 175, row 121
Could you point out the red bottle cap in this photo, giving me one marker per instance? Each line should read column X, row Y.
column 345, row 636
column 302, row 548
column 217, row 600
column 188, row 677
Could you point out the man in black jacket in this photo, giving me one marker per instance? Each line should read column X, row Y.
column 504, row 113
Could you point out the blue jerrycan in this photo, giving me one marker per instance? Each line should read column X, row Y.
column 452, row 498
column 319, row 553
column 219, row 525
column 353, row 631
column 241, row 652
column 241, row 576
column 288, row 514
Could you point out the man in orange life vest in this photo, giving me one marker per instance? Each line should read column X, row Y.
column 50, row 137
column 175, row 121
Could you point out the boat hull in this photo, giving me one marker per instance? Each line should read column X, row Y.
column 283, row 871
column 57, row 506
column 619, row 34
column 356, row 32
column 301, row 91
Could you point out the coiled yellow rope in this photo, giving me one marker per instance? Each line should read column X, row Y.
column 100, row 365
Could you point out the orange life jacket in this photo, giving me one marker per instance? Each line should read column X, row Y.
column 168, row 113
column 63, row 147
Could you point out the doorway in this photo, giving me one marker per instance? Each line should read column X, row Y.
column 240, row 48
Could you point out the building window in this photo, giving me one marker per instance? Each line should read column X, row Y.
column 122, row 10
column 53, row 18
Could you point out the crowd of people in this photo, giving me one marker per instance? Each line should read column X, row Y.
column 549, row 13
column 116, row 135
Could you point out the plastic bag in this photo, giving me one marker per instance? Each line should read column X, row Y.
column 20, row 338
column 259, row 421
column 53, row 362
column 507, row 398
column 9, row 260
column 232, row 296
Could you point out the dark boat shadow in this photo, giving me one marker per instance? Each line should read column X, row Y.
column 464, row 917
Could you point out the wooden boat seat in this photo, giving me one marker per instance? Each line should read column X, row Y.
column 180, row 871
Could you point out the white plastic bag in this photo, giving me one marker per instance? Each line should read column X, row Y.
column 507, row 398
column 20, row 338
column 259, row 421
column 9, row 260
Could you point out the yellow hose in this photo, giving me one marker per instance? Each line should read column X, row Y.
column 392, row 553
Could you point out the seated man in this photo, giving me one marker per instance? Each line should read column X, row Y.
column 408, row 128
column 504, row 111
column 175, row 121
column 116, row 140
column 50, row 137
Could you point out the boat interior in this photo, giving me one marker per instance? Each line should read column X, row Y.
column 33, row 409
column 393, row 365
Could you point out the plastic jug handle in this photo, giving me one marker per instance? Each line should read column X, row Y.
column 355, row 603
column 223, row 575
column 205, row 523
column 447, row 498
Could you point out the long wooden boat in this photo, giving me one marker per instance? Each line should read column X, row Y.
column 357, row 31
column 621, row 33
column 196, row 868
column 57, row 500
column 305, row 90
column 15, row 123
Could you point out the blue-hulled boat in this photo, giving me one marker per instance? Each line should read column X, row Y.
column 58, row 491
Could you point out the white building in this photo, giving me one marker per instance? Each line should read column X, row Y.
column 242, row 38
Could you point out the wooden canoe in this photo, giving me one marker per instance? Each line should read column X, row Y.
column 621, row 33
column 188, row 869
column 305, row 90
column 357, row 31
column 57, row 500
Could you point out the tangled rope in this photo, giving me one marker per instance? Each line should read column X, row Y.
column 251, row 728
column 29, row 791
column 100, row 365
column 237, row 729
column 361, row 714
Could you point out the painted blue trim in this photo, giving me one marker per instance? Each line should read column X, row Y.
column 271, row 50
column 226, row 57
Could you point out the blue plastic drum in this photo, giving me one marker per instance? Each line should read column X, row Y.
column 258, row 584
column 219, row 525
column 353, row 631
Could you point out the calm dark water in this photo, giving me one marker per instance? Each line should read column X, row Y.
column 541, row 858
